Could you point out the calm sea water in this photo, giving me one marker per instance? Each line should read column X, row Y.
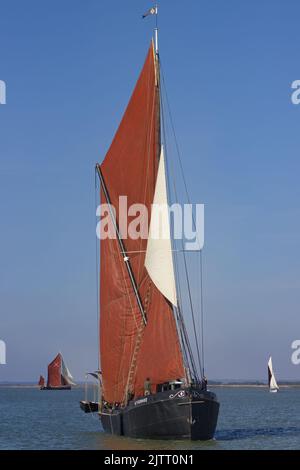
column 250, row 418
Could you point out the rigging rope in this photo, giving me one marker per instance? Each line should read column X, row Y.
column 184, row 256
column 97, row 274
column 202, row 314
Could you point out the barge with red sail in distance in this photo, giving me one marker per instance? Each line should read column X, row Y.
column 151, row 384
column 59, row 376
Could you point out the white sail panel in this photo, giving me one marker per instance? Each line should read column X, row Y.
column 159, row 257
column 272, row 383
column 66, row 373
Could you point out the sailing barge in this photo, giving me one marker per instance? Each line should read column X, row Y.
column 142, row 330
column 59, row 376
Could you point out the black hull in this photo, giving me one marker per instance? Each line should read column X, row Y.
column 89, row 406
column 180, row 414
column 66, row 387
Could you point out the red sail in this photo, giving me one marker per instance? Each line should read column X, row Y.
column 54, row 372
column 42, row 381
column 130, row 351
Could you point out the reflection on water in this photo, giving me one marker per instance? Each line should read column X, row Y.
column 237, row 434
column 122, row 443
column 250, row 418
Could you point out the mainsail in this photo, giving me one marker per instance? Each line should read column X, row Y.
column 271, row 377
column 54, row 372
column 130, row 350
column 58, row 374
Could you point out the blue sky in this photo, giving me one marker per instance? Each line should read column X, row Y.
column 70, row 66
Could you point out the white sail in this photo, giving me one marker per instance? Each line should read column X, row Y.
column 159, row 258
column 66, row 373
column 273, row 386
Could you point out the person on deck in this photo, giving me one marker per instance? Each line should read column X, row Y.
column 147, row 387
column 130, row 395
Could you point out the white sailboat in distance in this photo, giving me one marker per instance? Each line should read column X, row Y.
column 273, row 386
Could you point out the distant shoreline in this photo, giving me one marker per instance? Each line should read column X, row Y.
column 284, row 385
column 27, row 386
column 210, row 385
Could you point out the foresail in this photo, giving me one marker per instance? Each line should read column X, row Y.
column 66, row 373
column 159, row 257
